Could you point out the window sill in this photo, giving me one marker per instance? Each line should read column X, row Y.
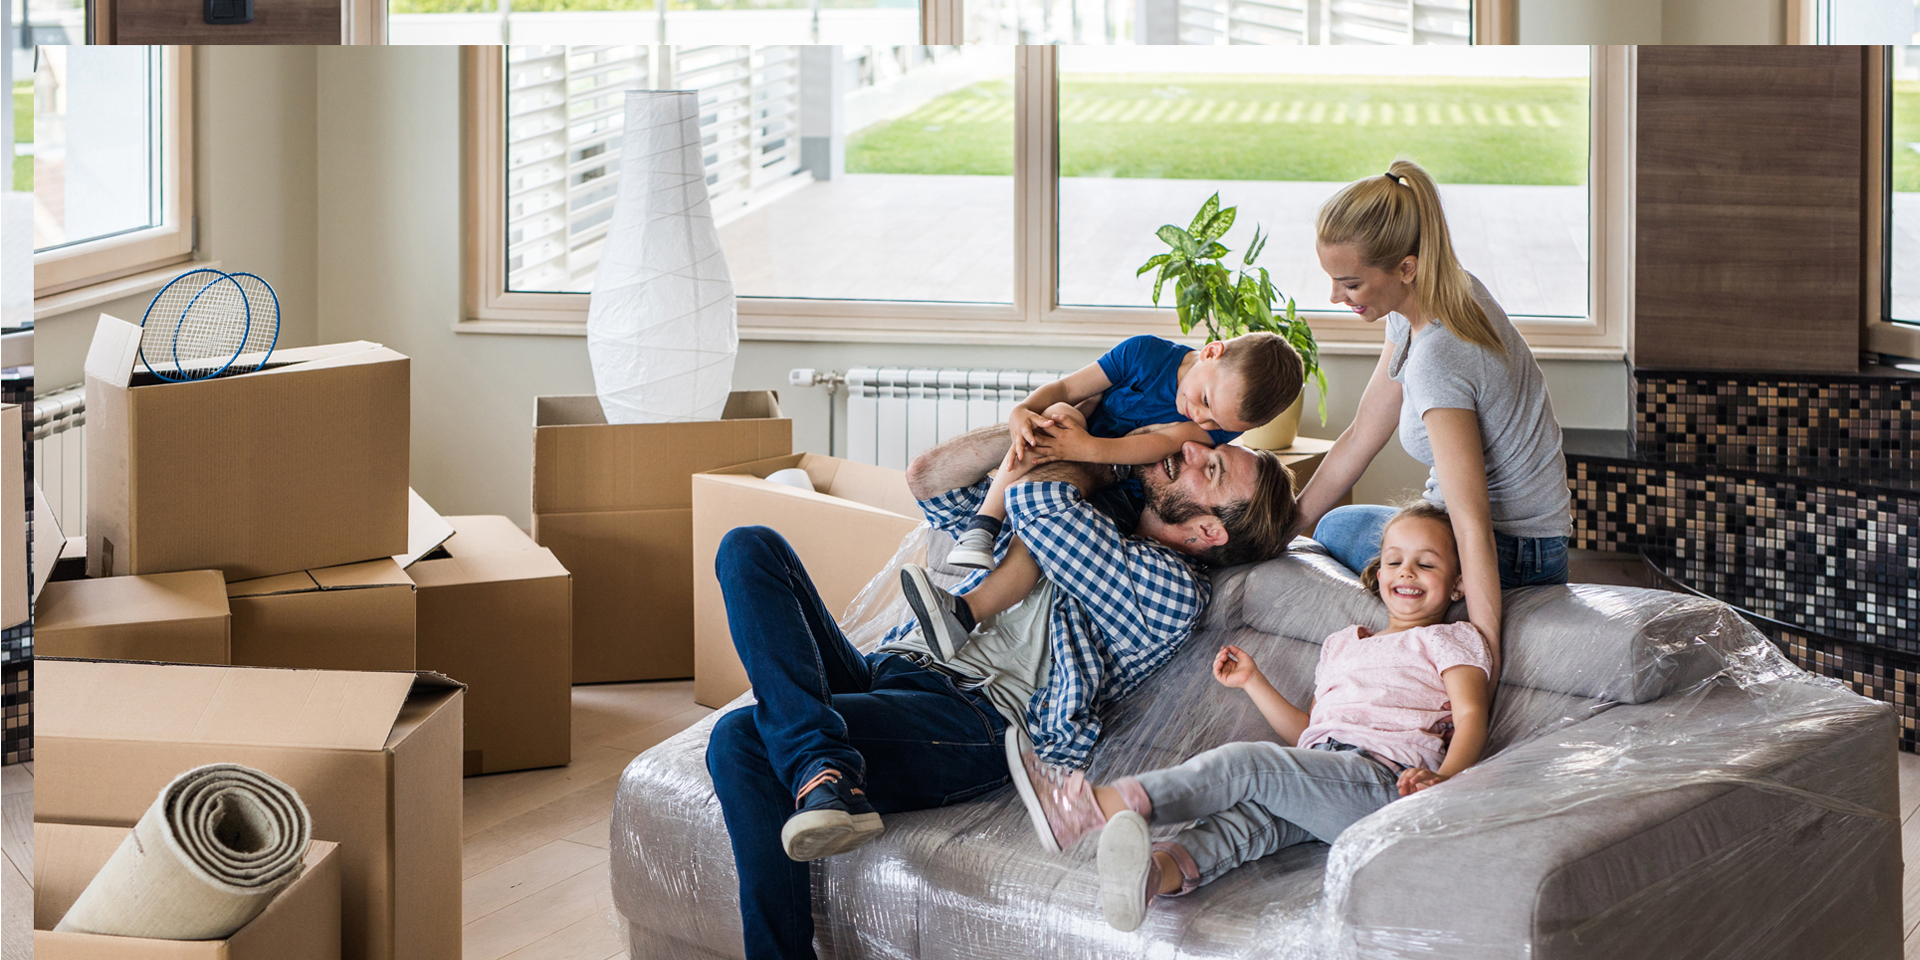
column 107, row 291
column 1093, row 339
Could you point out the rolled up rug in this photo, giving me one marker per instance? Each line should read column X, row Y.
column 206, row 858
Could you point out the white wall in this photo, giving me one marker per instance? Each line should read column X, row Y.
column 255, row 196
column 361, row 177
column 1652, row 21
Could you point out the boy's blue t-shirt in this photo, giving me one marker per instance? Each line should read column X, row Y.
column 1145, row 372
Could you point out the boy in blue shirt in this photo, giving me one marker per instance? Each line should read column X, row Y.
column 1149, row 396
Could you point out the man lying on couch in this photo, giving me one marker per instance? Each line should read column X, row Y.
column 838, row 738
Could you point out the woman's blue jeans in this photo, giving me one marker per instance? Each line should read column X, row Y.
column 1352, row 534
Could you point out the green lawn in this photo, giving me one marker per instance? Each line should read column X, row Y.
column 1906, row 136
column 1256, row 128
column 22, row 133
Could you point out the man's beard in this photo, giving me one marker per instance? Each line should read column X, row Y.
column 1169, row 504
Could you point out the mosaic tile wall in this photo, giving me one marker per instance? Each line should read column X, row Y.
column 1765, row 422
column 1832, row 560
column 16, row 673
column 1871, row 673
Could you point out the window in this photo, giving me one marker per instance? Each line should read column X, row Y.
column 991, row 194
column 1903, row 216
column 111, row 163
column 1219, row 21
column 1146, row 136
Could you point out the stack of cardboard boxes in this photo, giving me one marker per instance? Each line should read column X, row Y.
column 263, row 589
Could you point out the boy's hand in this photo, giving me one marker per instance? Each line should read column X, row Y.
column 1415, row 779
column 1021, row 426
column 1233, row 667
column 1062, row 440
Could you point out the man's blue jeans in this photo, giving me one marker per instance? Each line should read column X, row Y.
column 908, row 735
column 1352, row 534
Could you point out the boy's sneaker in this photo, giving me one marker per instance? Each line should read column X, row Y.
column 944, row 622
column 1129, row 875
column 832, row 818
column 974, row 550
column 1059, row 805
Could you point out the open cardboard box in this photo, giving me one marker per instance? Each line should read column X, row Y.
column 844, row 532
column 169, row 617
column 297, row 466
column 357, row 616
column 613, row 503
column 302, row 922
column 495, row 613
column 375, row 756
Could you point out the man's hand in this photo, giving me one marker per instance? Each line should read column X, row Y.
column 1415, row 779
column 1234, row 667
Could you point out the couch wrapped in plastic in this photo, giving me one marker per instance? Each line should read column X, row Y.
column 1659, row 782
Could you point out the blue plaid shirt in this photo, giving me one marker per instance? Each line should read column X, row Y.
column 1124, row 605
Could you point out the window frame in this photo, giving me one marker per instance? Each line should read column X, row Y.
column 1881, row 333
column 1035, row 317
column 67, row 268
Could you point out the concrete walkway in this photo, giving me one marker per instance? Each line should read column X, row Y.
column 950, row 238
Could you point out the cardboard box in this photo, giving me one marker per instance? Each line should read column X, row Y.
column 614, row 504
column 844, row 533
column 495, row 613
column 297, row 466
column 375, row 756
column 358, row 616
column 168, row 617
column 13, row 517
column 302, row 922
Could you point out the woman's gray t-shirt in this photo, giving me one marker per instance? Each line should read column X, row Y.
column 1520, row 439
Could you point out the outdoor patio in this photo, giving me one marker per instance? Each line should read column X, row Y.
column 949, row 238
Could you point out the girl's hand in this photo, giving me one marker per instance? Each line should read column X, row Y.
column 1233, row 667
column 1415, row 779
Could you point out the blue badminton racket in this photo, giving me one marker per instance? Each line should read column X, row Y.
column 207, row 323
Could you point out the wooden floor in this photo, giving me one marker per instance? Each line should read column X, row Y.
column 536, row 852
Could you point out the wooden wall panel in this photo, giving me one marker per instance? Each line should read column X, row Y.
column 1749, row 183
column 181, row 21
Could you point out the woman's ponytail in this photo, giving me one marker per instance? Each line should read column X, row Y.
column 1396, row 214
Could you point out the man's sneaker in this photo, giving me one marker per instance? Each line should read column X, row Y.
column 974, row 550
column 832, row 818
column 1129, row 875
column 1060, row 806
column 938, row 612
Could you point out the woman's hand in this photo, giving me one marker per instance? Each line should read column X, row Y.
column 1233, row 667
column 1415, row 779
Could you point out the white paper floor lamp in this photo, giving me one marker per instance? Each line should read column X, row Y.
column 661, row 331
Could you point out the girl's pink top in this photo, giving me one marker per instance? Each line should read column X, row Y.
column 1384, row 693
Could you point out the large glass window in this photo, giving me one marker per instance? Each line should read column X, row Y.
column 1146, row 135
column 97, row 162
column 1904, row 218
column 850, row 173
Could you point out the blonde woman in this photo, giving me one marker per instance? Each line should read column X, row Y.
column 1458, row 383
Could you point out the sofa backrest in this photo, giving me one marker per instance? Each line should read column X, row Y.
column 1623, row 644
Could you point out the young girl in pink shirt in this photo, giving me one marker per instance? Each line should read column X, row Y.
column 1380, row 702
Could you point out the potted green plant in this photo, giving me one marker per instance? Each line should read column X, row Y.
column 1229, row 303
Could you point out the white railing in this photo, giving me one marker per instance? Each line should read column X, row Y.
column 1325, row 21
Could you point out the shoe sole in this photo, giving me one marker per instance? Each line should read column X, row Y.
column 1125, row 859
column 933, row 625
column 971, row 559
column 813, row 834
column 1015, row 743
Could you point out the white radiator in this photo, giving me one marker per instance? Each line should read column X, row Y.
column 59, row 456
column 893, row 413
